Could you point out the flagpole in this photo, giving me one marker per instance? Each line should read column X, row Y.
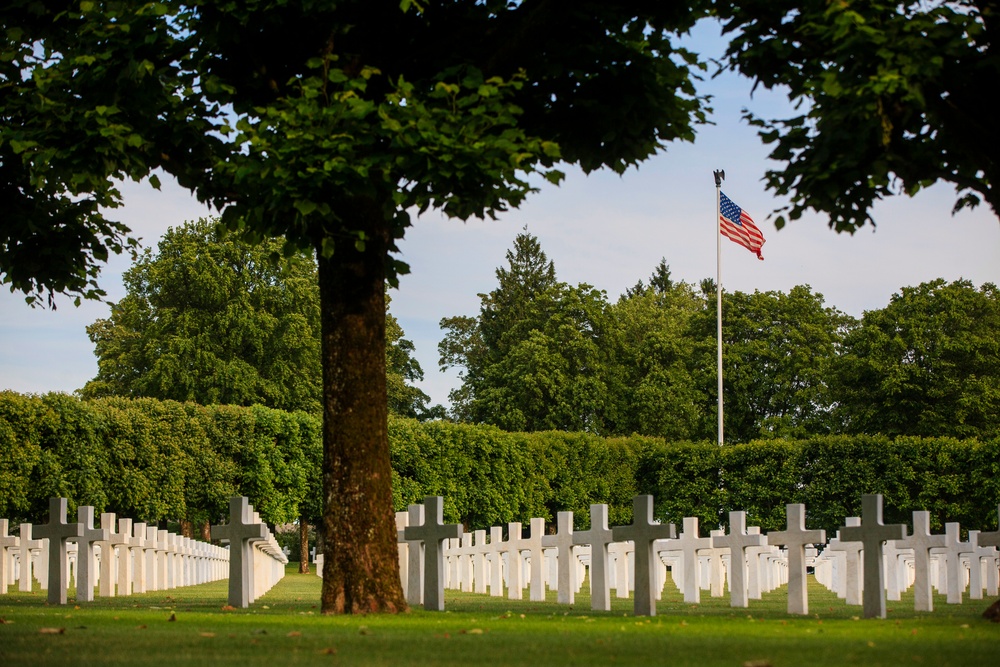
column 720, row 175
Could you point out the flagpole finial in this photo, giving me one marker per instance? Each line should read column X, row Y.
column 720, row 175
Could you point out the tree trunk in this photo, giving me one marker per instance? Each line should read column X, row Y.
column 361, row 562
column 303, row 545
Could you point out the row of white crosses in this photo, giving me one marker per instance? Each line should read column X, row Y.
column 256, row 560
column 427, row 544
column 137, row 558
column 870, row 562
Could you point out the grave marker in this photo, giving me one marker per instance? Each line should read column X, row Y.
column 872, row 533
column 415, row 556
column 57, row 531
column 643, row 531
column 953, row 549
column 432, row 532
column 239, row 531
column 563, row 542
column 922, row 541
column 689, row 545
column 85, row 553
column 6, row 542
column 737, row 541
column 794, row 538
column 598, row 537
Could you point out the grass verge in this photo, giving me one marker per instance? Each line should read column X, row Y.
column 190, row 626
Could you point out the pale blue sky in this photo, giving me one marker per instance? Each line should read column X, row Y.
column 602, row 229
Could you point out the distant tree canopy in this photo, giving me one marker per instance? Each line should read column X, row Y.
column 212, row 319
column 544, row 355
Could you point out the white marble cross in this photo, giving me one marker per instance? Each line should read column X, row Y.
column 599, row 536
column 138, row 549
column 794, row 538
column 690, row 544
column 563, row 542
column 533, row 545
column 415, row 556
column 432, row 532
column 239, row 531
column 872, row 533
column 57, row 531
column 922, row 541
column 643, row 531
column 513, row 551
column 126, row 556
column 85, row 573
column 737, row 541
column 6, row 542
column 954, row 548
column 495, row 552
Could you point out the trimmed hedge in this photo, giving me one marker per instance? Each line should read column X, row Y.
column 155, row 460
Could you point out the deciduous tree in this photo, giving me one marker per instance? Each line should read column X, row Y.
column 338, row 117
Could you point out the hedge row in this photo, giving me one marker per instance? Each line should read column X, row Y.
column 156, row 460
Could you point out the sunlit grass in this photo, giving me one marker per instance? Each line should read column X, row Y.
column 285, row 628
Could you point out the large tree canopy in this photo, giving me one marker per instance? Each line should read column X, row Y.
column 890, row 96
column 331, row 120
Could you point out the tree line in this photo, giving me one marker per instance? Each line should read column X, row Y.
column 545, row 355
column 166, row 461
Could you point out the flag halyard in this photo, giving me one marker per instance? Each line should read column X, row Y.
column 736, row 225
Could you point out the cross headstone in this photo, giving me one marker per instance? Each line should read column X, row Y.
column 25, row 550
column 737, row 541
column 563, row 542
column 922, row 541
column 643, row 531
column 872, row 533
column 432, row 532
column 85, row 573
column 513, row 552
column 794, row 538
column 57, row 531
column 495, row 553
column 598, row 537
column 122, row 541
column 533, row 545
column 953, row 549
column 239, row 531
column 689, row 545
column 6, row 542
column 479, row 561
column 415, row 556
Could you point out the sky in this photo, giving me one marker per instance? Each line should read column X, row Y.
column 606, row 230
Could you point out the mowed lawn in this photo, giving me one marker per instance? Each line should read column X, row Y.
column 192, row 626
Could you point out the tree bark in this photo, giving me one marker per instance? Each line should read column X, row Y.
column 361, row 562
column 303, row 545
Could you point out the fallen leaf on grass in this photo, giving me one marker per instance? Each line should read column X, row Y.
column 329, row 651
column 294, row 633
column 4, row 621
column 206, row 634
column 173, row 617
column 476, row 631
column 228, row 607
column 51, row 631
column 757, row 663
column 141, row 627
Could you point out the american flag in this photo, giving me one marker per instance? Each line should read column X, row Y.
column 737, row 226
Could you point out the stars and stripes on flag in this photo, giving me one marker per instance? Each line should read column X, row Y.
column 737, row 226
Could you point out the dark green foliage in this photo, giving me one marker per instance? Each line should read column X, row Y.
column 154, row 460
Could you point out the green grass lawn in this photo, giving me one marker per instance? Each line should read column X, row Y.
column 285, row 628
